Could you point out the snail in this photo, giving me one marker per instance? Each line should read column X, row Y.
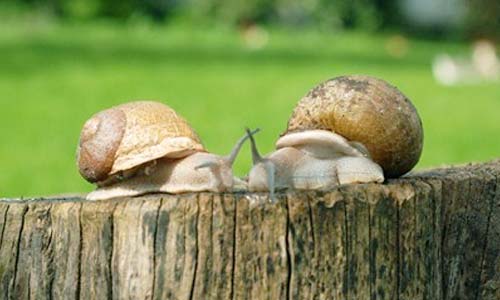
column 349, row 129
column 143, row 147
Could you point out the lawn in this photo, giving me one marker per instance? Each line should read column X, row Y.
column 54, row 77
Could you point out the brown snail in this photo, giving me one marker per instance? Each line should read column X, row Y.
column 345, row 130
column 144, row 146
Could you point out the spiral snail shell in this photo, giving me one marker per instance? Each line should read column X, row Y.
column 347, row 129
column 145, row 146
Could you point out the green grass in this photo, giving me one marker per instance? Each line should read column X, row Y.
column 53, row 77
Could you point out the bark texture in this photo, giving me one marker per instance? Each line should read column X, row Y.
column 430, row 235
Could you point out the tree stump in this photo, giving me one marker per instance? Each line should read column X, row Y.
column 430, row 235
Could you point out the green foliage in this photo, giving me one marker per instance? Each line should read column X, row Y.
column 78, row 9
column 371, row 15
column 236, row 12
column 328, row 14
column 352, row 14
column 484, row 18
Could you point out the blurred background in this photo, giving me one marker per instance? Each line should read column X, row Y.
column 228, row 64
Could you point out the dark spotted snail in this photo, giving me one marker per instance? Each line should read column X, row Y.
column 346, row 130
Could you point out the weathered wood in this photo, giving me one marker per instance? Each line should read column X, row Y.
column 176, row 248
column 430, row 235
column 96, row 277
column 66, row 255
column 490, row 261
column 12, row 228
column 383, row 236
column 262, row 258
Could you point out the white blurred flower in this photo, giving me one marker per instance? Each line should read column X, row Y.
column 483, row 65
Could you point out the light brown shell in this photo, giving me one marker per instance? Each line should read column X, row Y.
column 366, row 110
column 128, row 135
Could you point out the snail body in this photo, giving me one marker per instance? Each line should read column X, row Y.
column 327, row 161
column 350, row 129
column 143, row 147
column 174, row 177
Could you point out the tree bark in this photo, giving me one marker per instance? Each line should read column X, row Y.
column 429, row 235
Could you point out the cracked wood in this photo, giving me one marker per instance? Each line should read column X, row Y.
column 430, row 235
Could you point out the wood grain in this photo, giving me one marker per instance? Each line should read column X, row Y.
column 430, row 235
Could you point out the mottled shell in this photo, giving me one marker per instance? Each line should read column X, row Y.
column 128, row 135
column 366, row 110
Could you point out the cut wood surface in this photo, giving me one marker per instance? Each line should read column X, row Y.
column 430, row 235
